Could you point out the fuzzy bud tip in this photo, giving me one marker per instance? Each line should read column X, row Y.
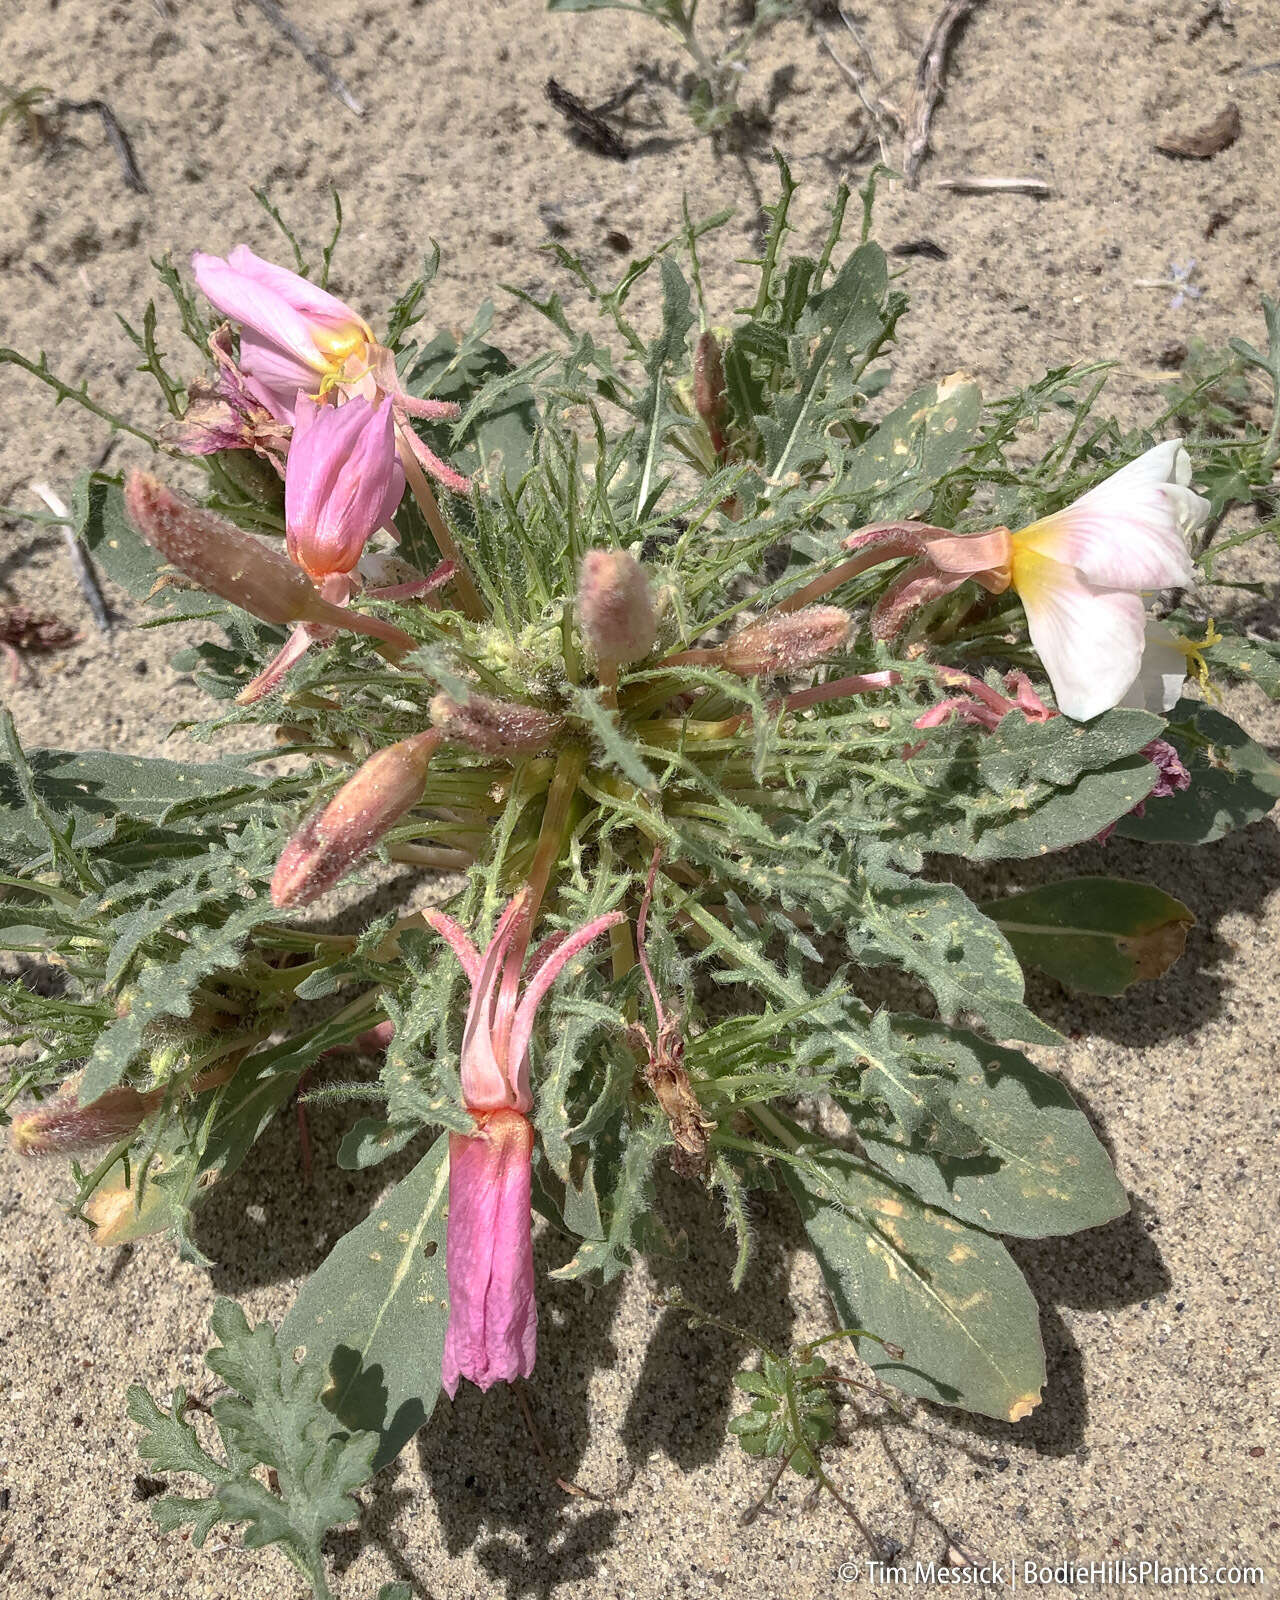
column 373, row 800
column 787, row 643
column 615, row 607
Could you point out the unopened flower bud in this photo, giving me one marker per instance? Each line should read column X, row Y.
column 787, row 643
column 329, row 844
column 64, row 1127
column 615, row 607
column 708, row 387
column 235, row 566
column 502, row 728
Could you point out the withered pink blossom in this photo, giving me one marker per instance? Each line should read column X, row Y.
column 493, row 1316
column 343, row 481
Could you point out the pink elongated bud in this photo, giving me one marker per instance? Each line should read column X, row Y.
column 64, row 1127
column 615, row 607
column 329, row 843
column 237, row 567
column 787, row 643
column 502, row 728
column 492, row 1335
column 342, row 482
column 709, row 388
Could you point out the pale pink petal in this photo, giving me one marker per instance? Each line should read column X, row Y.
column 257, row 306
column 493, row 1315
column 317, row 305
column 1089, row 638
column 1130, row 531
column 273, row 376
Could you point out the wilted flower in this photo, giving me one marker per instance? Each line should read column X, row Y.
column 227, row 414
column 493, row 1314
column 299, row 340
column 343, row 481
column 372, row 800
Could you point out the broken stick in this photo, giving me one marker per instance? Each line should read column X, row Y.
column 930, row 72
column 86, row 577
column 310, row 52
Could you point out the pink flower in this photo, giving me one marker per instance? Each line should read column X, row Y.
column 297, row 339
column 343, row 481
column 293, row 335
column 493, row 1316
column 493, row 1311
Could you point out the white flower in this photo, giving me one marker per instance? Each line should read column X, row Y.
column 1080, row 574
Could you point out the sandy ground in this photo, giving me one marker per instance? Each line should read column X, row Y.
column 1158, row 1436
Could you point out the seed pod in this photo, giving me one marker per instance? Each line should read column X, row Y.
column 709, row 388
column 615, row 607
column 787, row 643
column 502, row 728
column 373, row 800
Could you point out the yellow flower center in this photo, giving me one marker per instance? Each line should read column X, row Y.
column 1193, row 650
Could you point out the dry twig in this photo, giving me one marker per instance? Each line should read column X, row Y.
column 86, row 578
column 1033, row 186
column 588, row 124
column 116, row 137
column 310, row 52
column 930, row 72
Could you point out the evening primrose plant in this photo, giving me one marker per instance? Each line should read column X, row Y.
column 655, row 685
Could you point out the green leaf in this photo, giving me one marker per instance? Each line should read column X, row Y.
column 164, row 989
column 500, row 416
column 1096, row 935
column 613, row 1195
column 936, row 932
column 654, row 414
column 274, row 1419
column 1040, row 1169
column 375, row 1312
column 846, row 319
column 948, row 1294
column 1030, row 788
column 1233, row 781
column 372, row 1140
column 1247, row 661
column 915, row 446
column 98, row 517
column 94, row 787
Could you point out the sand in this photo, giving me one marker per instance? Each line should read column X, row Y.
column 1158, row 1436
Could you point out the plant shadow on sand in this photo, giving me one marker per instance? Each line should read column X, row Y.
column 490, row 1486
